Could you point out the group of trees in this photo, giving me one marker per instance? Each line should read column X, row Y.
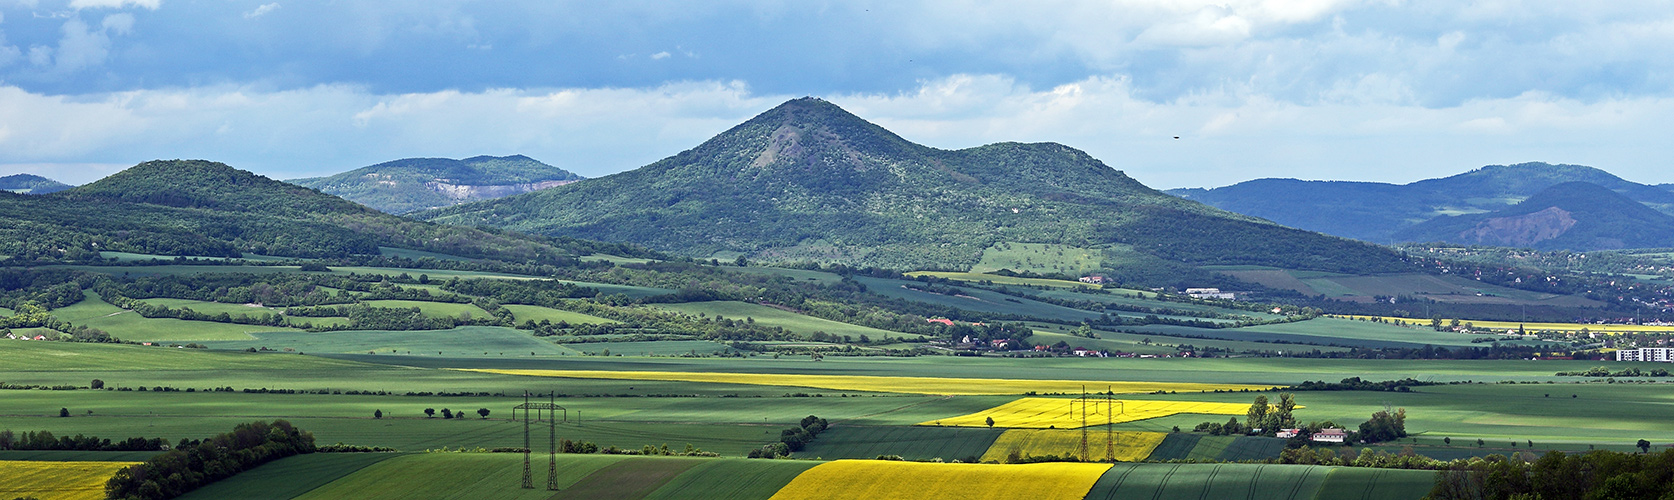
column 192, row 464
column 793, row 439
column 1596, row 474
column 446, row 413
column 44, row 440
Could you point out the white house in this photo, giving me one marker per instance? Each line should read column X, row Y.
column 1657, row 354
column 1208, row 293
column 1287, row 433
column 1329, row 436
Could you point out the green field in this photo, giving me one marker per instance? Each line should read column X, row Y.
column 652, row 348
column 1320, row 331
column 465, row 341
column 455, row 475
column 127, row 325
column 407, row 253
column 433, row 309
column 537, row 314
column 976, row 299
column 911, row 443
column 1039, row 258
column 732, row 479
column 763, row 315
column 289, row 477
column 995, row 279
column 1258, row 482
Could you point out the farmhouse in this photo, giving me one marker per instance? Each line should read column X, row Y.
column 1096, row 280
column 1657, row 354
column 1287, row 433
column 1329, row 436
column 1209, row 293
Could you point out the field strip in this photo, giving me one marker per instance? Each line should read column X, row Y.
column 869, row 479
column 886, row 412
column 874, row 383
column 1055, row 413
column 1124, row 446
column 56, row 480
column 1510, row 326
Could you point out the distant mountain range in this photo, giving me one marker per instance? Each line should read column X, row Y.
column 201, row 208
column 1390, row 213
column 808, row 181
column 31, row 184
column 411, row 184
column 1568, row 216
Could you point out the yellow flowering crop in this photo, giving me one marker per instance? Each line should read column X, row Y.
column 906, row 385
column 56, row 480
column 1043, row 413
column 1511, row 326
column 1129, row 446
column 871, row 479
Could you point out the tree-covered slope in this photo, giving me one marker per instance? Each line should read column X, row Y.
column 411, row 184
column 194, row 207
column 809, row 181
column 31, row 184
column 1374, row 211
column 1570, row 216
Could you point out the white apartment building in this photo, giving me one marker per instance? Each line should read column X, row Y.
column 1657, row 354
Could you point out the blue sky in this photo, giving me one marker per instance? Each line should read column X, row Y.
column 1321, row 89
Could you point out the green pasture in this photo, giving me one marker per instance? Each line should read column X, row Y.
column 486, row 476
column 996, row 279
column 288, row 477
column 604, row 257
column 651, row 348
column 251, row 310
column 433, row 309
column 407, row 253
column 976, row 299
column 768, row 316
column 1257, row 482
column 6, row 312
column 625, row 290
column 1039, row 258
column 820, row 277
column 523, row 313
column 464, row 341
column 94, row 312
column 912, row 443
column 1046, row 333
column 1318, row 332
column 732, row 479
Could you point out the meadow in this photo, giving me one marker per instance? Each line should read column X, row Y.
column 56, row 480
column 1042, row 258
column 872, row 383
column 769, row 316
column 94, row 312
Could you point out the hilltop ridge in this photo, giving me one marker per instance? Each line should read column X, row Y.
column 409, row 184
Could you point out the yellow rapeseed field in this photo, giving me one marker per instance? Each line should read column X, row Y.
column 1044, row 413
column 56, row 480
column 906, row 385
column 871, row 479
column 1129, row 446
column 1507, row 326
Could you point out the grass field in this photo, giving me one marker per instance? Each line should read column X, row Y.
column 94, row 312
column 1512, row 326
column 768, row 316
column 651, row 348
column 1039, row 258
column 537, row 313
column 1129, row 446
column 288, row 477
column 251, row 310
column 487, row 476
column 56, row 480
column 1045, row 413
column 974, row 299
column 433, row 309
column 1002, row 280
column 1318, row 331
column 464, row 341
column 911, row 443
column 870, row 479
column 908, row 385
column 1258, row 482
column 732, row 480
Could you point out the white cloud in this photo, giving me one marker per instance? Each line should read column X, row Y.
column 261, row 10
column 660, row 55
column 115, row 4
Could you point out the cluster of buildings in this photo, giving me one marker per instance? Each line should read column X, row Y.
column 12, row 336
column 1657, row 354
column 1209, row 293
column 1330, row 435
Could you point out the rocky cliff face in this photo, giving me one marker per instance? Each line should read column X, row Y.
column 1522, row 230
column 464, row 193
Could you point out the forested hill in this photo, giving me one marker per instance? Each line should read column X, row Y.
column 1374, row 211
column 201, row 208
column 31, row 184
column 809, row 181
column 1575, row 216
column 410, row 184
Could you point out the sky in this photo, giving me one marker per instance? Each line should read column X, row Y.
column 1386, row 90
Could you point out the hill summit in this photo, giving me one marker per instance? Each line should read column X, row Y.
column 1578, row 216
column 31, row 184
column 808, row 181
column 411, row 184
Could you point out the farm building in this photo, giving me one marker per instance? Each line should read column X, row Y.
column 1287, row 433
column 1096, row 280
column 1330, row 436
column 1209, row 293
column 1657, row 354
